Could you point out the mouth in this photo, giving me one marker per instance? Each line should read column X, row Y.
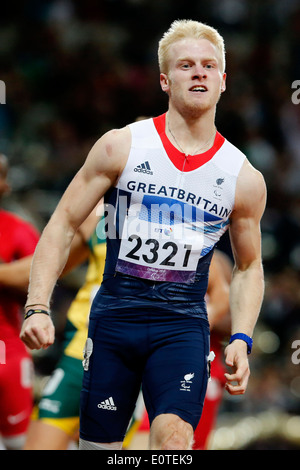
column 198, row 89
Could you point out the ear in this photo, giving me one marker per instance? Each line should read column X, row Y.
column 164, row 82
column 223, row 84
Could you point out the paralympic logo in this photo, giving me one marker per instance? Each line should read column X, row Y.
column 2, row 352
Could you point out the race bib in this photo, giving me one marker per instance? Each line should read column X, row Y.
column 162, row 240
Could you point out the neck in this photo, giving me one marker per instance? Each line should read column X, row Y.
column 190, row 135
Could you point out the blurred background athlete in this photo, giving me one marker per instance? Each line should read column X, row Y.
column 55, row 423
column 18, row 239
column 219, row 320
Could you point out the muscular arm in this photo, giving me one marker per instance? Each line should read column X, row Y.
column 99, row 172
column 247, row 286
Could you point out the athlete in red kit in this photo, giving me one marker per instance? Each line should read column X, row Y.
column 18, row 239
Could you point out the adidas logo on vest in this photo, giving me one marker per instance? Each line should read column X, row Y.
column 107, row 404
column 144, row 168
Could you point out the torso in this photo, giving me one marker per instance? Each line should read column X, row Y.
column 155, row 256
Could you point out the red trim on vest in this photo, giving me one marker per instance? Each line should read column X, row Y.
column 178, row 158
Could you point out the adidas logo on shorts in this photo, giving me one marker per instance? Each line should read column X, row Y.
column 144, row 168
column 107, row 404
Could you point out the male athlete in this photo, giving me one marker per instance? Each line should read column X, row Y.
column 172, row 186
column 18, row 239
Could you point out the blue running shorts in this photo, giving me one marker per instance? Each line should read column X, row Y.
column 165, row 353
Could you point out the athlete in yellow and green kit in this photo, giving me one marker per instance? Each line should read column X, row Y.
column 56, row 419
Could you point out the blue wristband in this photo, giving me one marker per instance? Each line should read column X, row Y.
column 245, row 338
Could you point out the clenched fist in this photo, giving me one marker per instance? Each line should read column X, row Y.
column 38, row 331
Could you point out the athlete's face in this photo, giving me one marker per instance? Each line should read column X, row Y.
column 194, row 80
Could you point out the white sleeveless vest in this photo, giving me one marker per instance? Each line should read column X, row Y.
column 175, row 217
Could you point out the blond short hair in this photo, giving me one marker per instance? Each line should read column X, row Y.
column 181, row 29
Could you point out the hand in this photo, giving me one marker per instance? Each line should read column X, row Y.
column 38, row 331
column 236, row 357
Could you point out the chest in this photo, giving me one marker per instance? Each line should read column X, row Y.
column 152, row 180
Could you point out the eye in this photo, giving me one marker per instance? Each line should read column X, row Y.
column 210, row 65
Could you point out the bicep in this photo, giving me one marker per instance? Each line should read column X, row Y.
column 245, row 236
column 245, row 231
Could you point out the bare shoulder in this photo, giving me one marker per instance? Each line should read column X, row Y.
column 111, row 150
column 251, row 191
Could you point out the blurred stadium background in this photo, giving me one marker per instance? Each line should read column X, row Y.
column 74, row 69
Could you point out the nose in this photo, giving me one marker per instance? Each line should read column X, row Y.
column 199, row 72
